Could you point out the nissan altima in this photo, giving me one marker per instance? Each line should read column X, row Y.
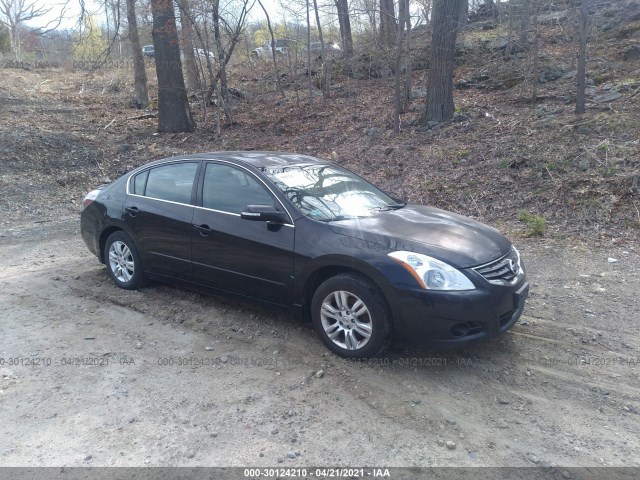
column 366, row 269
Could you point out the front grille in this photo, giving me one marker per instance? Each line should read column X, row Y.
column 502, row 271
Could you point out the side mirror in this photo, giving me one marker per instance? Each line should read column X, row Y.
column 263, row 213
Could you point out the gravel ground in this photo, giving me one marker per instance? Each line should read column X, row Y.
column 91, row 375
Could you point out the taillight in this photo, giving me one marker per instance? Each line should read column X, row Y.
column 90, row 197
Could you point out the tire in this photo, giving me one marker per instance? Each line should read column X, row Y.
column 122, row 261
column 351, row 317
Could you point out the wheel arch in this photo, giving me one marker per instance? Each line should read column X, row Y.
column 103, row 238
column 331, row 268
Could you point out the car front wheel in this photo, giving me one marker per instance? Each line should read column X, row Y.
column 351, row 317
column 123, row 261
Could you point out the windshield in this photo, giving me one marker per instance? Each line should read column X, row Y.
column 328, row 192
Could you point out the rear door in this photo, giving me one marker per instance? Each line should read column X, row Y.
column 246, row 257
column 159, row 211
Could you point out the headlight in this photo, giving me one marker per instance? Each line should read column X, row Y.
column 432, row 274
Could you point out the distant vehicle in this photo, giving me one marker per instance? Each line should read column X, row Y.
column 330, row 48
column 282, row 48
column 149, row 51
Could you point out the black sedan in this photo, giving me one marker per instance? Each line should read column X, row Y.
column 295, row 231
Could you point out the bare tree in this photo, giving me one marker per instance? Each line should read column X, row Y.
column 174, row 113
column 443, row 42
column 273, row 47
column 186, row 30
column 222, row 66
column 582, row 57
column 326, row 66
column 345, row 27
column 14, row 13
column 387, row 30
column 403, row 6
column 140, row 74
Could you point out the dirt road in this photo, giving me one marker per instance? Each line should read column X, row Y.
column 91, row 375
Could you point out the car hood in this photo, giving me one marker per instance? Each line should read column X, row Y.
column 444, row 235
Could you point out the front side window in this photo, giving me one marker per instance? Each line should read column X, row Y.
column 229, row 189
column 170, row 182
column 328, row 192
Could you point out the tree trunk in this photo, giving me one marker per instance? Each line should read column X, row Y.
column 524, row 24
column 222, row 67
column 174, row 114
column 407, row 90
column 582, row 58
column 402, row 7
column 387, row 23
column 345, row 27
column 192, row 78
column 326, row 66
column 140, row 73
column 273, row 49
column 309, row 54
column 443, row 43
column 464, row 13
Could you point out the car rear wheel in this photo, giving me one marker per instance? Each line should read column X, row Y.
column 123, row 261
column 351, row 317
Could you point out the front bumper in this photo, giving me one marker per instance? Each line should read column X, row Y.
column 450, row 320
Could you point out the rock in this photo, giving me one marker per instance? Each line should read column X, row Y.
column 607, row 97
column 433, row 125
column 631, row 53
column 224, row 359
column 533, row 458
column 275, row 431
column 450, row 445
column 62, row 180
column 565, row 474
column 124, row 147
column 374, row 132
column 388, row 150
column 280, row 460
column 319, row 374
column 297, row 452
column 612, row 260
column 583, row 165
column 440, row 442
column 291, row 454
column 553, row 18
column 208, row 349
column 417, row 93
column 499, row 43
column 88, row 458
column 503, row 401
column 551, row 74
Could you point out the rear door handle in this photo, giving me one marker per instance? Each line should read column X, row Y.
column 133, row 211
column 203, row 229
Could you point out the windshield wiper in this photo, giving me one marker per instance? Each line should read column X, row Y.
column 386, row 208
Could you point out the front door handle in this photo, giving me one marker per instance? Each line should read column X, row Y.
column 203, row 229
column 133, row 211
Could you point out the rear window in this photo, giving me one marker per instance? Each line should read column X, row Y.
column 173, row 182
column 139, row 182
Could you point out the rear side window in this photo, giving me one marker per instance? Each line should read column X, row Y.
column 139, row 182
column 171, row 182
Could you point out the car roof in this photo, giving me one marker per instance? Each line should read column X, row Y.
column 251, row 158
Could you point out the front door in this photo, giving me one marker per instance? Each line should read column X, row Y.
column 246, row 257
